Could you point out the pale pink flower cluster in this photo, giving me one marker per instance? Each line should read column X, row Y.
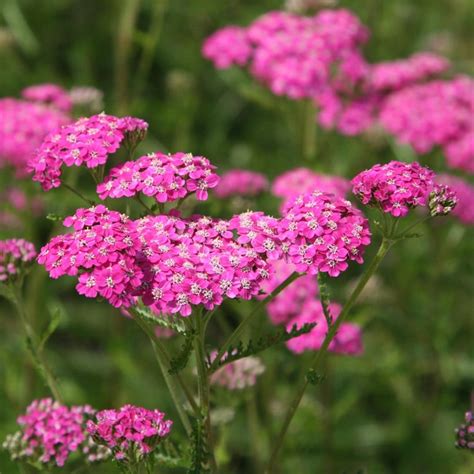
column 439, row 113
column 87, row 97
column 396, row 187
column 348, row 339
column 88, row 141
column 293, row 55
column 240, row 182
column 131, row 432
column 51, row 432
column 23, row 126
column 238, row 375
column 49, row 94
column 15, row 256
column 165, row 177
column 303, row 180
column 465, row 433
column 322, row 233
column 289, row 302
column 464, row 191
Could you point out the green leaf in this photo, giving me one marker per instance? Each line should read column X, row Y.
column 54, row 217
column 254, row 347
column 50, row 328
column 7, row 292
column 169, row 454
column 179, row 362
column 170, row 322
column 199, row 449
column 314, row 377
column 325, row 297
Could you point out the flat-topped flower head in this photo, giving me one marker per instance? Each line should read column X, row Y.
column 321, row 232
column 23, row 126
column 132, row 433
column 465, row 433
column 88, row 141
column 49, row 94
column 348, row 339
column 50, row 433
column 241, row 183
column 16, row 255
column 397, row 187
column 464, row 192
column 164, row 177
column 101, row 252
column 238, row 375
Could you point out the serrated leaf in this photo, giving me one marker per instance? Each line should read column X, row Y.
column 314, row 377
column 54, row 217
column 175, row 323
column 241, row 351
column 50, row 328
column 168, row 454
column 179, row 362
column 325, row 297
column 199, row 449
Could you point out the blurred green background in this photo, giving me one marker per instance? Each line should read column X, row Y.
column 394, row 409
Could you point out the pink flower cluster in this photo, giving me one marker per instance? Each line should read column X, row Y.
column 51, row 432
column 396, row 187
column 88, row 141
column 465, row 433
column 293, row 55
column 238, row 375
column 241, row 183
column 15, row 256
column 165, row 177
column 464, row 191
column 130, row 432
column 348, row 339
column 322, row 233
column 49, row 94
column 438, row 113
column 23, row 126
column 303, row 180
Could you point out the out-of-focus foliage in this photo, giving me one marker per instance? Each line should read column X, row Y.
column 392, row 410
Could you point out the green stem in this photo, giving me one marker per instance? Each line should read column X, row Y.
column 77, row 193
column 309, row 128
column 320, row 355
column 163, row 362
column 203, row 386
column 36, row 351
column 240, row 328
column 140, row 200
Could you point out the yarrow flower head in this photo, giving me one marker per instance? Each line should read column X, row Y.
column 16, row 255
column 49, row 94
column 398, row 187
column 50, row 433
column 322, row 233
column 238, row 375
column 23, row 126
column 465, row 433
column 88, row 141
column 131, row 433
column 101, row 251
column 241, row 183
column 348, row 339
column 165, row 177
column 464, row 192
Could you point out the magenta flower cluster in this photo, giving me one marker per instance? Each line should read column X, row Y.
column 88, row 141
column 15, row 256
column 130, row 432
column 50, row 433
column 348, row 339
column 23, row 126
column 322, row 233
column 238, row 375
column 294, row 56
column 49, row 94
column 303, row 180
column 240, row 182
column 465, row 433
column 395, row 187
column 438, row 113
column 464, row 191
column 165, row 177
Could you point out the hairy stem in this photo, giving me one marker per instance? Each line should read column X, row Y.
column 320, row 355
column 240, row 328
